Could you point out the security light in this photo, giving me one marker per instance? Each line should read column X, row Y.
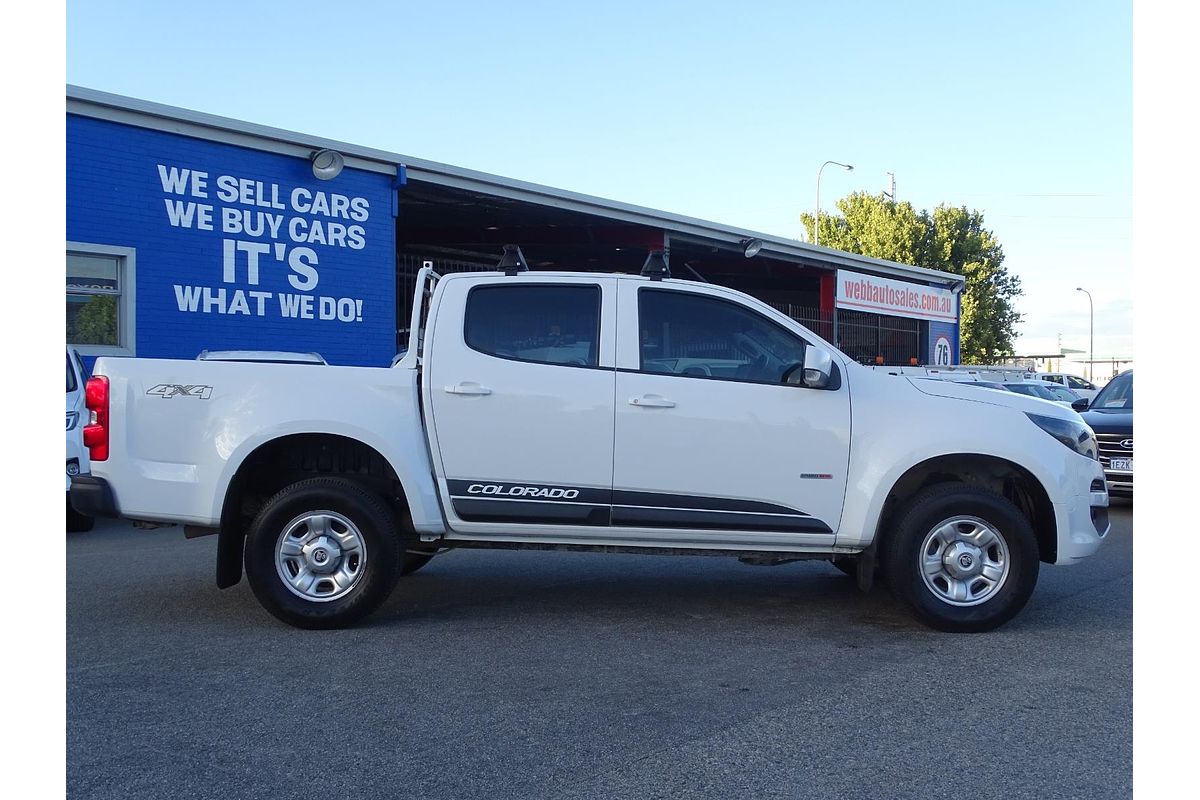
column 750, row 247
column 327, row 164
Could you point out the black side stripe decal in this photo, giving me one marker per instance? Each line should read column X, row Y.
column 640, row 517
column 533, row 512
column 537, row 503
column 623, row 497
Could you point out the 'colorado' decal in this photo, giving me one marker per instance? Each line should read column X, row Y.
column 550, row 493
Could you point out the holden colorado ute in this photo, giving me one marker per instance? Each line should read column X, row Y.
column 617, row 413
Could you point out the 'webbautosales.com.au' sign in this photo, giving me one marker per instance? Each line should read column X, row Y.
column 861, row 292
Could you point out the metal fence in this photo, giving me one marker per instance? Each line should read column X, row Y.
column 407, row 266
column 817, row 321
column 867, row 337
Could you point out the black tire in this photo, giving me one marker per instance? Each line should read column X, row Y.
column 76, row 522
column 413, row 561
column 927, row 511
column 375, row 524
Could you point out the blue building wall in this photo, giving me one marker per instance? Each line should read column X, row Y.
column 200, row 214
column 948, row 333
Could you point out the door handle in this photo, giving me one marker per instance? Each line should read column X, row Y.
column 468, row 387
column 652, row 401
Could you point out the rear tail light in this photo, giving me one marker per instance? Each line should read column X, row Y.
column 95, row 434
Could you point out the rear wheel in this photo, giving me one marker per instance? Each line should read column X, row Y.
column 323, row 553
column 963, row 558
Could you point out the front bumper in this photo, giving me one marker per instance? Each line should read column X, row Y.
column 93, row 497
column 1082, row 524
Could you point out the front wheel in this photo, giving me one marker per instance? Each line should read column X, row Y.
column 963, row 558
column 323, row 553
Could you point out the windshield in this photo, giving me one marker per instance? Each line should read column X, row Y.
column 1118, row 394
column 1031, row 389
column 1061, row 393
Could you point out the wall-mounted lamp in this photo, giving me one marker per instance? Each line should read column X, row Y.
column 750, row 247
column 327, row 164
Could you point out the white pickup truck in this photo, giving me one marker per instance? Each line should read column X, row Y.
column 608, row 412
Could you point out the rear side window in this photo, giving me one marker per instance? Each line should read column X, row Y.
column 1053, row 378
column 543, row 324
column 71, row 384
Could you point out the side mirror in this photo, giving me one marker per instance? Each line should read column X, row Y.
column 818, row 368
column 1081, row 404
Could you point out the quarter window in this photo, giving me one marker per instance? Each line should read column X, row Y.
column 543, row 324
column 705, row 337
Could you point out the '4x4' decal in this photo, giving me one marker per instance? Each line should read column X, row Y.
column 169, row 390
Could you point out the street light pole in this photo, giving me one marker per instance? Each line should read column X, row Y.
column 1091, row 330
column 817, row 224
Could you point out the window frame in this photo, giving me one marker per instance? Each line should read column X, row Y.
column 125, row 294
column 599, row 290
column 738, row 306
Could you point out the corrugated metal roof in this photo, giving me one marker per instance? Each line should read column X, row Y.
column 94, row 103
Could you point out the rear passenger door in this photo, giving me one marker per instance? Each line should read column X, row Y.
column 520, row 389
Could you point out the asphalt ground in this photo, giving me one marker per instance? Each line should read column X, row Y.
column 498, row 674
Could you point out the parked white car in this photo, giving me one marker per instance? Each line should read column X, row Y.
column 1081, row 386
column 77, row 417
column 615, row 413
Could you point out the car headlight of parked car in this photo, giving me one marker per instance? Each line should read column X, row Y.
column 1075, row 435
column 72, row 420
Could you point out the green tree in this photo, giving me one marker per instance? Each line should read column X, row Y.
column 96, row 322
column 951, row 239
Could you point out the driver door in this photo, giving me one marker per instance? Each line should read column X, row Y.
column 710, row 444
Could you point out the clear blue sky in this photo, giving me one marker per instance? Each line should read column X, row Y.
column 720, row 111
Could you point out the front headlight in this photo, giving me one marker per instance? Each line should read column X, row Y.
column 72, row 420
column 1075, row 435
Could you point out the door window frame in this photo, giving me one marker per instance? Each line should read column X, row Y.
column 729, row 302
column 599, row 294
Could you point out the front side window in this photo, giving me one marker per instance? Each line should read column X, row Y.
column 706, row 337
column 543, row 324
column 1079, row 383
column 94, row 299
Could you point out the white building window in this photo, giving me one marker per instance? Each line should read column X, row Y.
column 100, row 290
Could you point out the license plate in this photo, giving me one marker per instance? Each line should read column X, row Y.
column 1121, row 464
